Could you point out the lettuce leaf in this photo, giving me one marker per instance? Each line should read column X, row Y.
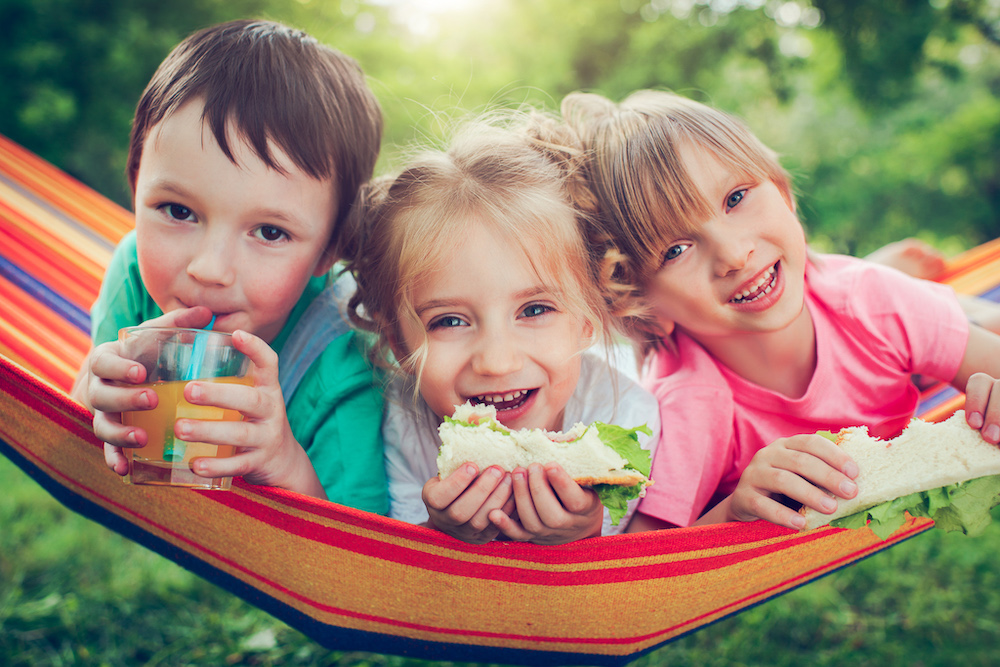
column 492, row 424
column 616, row 498
column 625, row 441
column 961, row 507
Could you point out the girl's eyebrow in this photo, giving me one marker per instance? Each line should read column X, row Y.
column 525, row 294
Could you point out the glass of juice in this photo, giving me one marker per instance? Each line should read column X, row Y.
column 173, row 357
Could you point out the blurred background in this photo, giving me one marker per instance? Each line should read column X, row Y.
column 886, row 113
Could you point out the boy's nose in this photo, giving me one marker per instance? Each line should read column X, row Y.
column 212, row 263
column 497, row 354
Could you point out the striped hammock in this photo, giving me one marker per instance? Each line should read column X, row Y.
column 348, row 579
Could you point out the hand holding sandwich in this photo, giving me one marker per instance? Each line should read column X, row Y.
column 461, row 503
column 799, row 467
column 551, row 507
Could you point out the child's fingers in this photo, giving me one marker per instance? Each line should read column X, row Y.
column 776, row 513
column 196, row 317
column 463, row 493
column 114, row 399
column 107, row 364
column 524, row 500
column 115, row 459
column 982, row 405
column 814, row 458
column 575, row 498
column 116, row 434
column 510, row 528
column 264, row 359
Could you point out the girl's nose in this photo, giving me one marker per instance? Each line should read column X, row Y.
column 497, row 354
column 732, row 253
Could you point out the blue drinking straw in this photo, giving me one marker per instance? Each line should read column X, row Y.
column 198, row 353
column 173, row 449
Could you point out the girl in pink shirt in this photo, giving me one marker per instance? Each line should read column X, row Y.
column 751, row 343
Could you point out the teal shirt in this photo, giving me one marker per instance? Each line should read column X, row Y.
column 336, row 411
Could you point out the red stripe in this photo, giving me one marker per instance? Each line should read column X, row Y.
column 582, row 551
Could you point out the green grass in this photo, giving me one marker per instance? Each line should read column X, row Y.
column 75, row 593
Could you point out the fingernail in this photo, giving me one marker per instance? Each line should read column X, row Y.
column 829, row 504
column 196, row 391
column 851, row 469
column 799, row 521
column 495, row 472
column 469, row 469
column 145, row 400
column 848, row 487
column 131, row 438
column 535, row 468
column 992, row 433
column 182, row 429
column 976, row 419
column 133, row 374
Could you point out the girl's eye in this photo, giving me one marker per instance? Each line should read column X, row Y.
column 446, row 322
column 674, row 251
column 178, row 212
column 535, row 310
column 735, row 198
column 270, row 233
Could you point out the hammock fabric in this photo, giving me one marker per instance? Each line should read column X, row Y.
column 348, row 579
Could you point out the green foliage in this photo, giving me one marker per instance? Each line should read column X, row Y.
column 885, row 113
column 73, row 72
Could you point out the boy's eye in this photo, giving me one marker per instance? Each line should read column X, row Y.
column 535, row 309
column 178, row 212
column 270, row 233
column 446, row 322
column 735, row 198
column 674, row 251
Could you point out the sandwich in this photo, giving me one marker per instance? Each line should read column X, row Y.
column 606, row 457
column 945, row 471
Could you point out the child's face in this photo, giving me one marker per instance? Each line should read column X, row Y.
column 742, row 270
column 495, row 334
column 242, row 240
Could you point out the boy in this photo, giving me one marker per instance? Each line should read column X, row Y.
column 248, row 147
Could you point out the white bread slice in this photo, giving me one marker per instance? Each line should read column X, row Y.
column 924, row 456
column 579, row 451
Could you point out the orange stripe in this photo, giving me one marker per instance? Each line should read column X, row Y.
column 56, row 186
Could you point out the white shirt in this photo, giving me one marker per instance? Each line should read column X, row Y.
column 409, row 431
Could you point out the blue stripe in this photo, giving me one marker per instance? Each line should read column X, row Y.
column 44, row 294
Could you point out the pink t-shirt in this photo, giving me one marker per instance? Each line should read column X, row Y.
column 875, row 327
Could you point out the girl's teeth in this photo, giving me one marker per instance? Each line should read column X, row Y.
column 764, row 280
column 498, row 398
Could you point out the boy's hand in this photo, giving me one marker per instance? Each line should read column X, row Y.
column 799, row 467
column 267, row 452
column 460, row 504
column 982, row 406
column 551, row 508
column 102, row 387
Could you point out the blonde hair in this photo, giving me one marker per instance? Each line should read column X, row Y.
column 517, row 176
column 647, row 199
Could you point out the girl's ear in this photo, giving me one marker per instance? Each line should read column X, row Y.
column 326, row 261
column 398, row 350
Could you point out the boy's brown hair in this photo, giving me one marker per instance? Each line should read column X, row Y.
column 273, row 83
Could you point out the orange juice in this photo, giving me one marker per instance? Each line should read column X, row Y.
column 166, row 459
